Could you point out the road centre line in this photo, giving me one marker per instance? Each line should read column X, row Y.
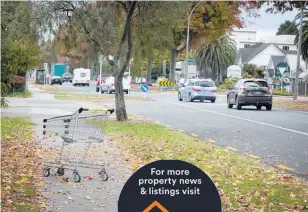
column 244, row 119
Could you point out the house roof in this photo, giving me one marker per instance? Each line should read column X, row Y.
column 277, row 59
column 248, row 53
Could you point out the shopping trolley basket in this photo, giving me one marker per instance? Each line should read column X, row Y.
column 77, row 128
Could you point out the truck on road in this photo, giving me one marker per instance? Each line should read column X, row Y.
column 82, row 76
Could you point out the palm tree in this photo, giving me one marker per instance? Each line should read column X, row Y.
column 214, row 58
column 304, row 48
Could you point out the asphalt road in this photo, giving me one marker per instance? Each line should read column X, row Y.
column 278, row 137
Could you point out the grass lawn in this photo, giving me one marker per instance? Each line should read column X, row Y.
column 95, row 97
column 21, row 166
column 244, row 183
column 54, row 89
column 25, row 94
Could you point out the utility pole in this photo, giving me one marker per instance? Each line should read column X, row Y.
column 100, row 73
column 299, row 46
column 187, row 39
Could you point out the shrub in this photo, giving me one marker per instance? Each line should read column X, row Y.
column 228, row 82
column 281, row 93
column 18, row 83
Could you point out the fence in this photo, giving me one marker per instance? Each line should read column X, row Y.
column 302, row 88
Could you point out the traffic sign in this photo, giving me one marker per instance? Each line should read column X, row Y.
column 144, row 88
column 165, row 83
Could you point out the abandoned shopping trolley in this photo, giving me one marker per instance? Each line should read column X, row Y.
column 77, row 128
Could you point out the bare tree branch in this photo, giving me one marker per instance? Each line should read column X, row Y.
column 126, row 28
column 123, row 4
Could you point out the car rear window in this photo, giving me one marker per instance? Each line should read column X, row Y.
column 249, row 84
column 204, row 84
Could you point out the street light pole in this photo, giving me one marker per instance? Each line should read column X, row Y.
column 187, row 40
column 100, row 73
column 299, row 46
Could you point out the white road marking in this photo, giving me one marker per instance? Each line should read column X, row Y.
column 244, row 119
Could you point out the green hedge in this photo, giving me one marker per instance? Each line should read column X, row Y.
column 228, row 82
column 281, row 93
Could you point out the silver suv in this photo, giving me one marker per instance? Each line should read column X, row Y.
column 247, row 92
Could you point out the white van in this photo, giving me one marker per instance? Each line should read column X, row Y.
column 81, row 77
column 109, row 86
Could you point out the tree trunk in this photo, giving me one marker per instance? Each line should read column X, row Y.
column 121, row 113
column 172, row 65
column 149, row 69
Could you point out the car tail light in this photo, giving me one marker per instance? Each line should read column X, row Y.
column 113, row 84
column 214, row 90
column 196, row 89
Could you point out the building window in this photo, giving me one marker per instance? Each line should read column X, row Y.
column 247, row 46
column 285, row 47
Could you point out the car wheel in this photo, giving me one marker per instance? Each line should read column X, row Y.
column 238, row 105
column 213, row 100
column 180, row 97
column 190, row 99
column 126, row 92
column 259, row 107
column 74, row 84
column 97, row 89
column 201, row 100
column 229, row 104
column 269, row 107
column 102, row 91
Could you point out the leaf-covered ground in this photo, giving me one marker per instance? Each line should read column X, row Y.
column 290, row 104
column 20, row 166
column 244, row 183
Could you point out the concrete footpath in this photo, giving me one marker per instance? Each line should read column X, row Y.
column 63, row 194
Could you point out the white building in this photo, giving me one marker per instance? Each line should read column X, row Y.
column 249, row 38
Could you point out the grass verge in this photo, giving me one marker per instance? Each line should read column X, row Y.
column 54, row 89
column 290, row 104
column 95, row 97
column 25, row 94
column 21, row 166
column 244, row 183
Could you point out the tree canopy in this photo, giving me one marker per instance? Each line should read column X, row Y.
column 287, row 28
column 20, row 50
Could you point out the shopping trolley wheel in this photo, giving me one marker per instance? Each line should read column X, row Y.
column 104, row 175
column 77, row 177
column 60, row 171
column 46, row 172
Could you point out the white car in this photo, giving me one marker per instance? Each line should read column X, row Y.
column 108, row 85
column 198, row 89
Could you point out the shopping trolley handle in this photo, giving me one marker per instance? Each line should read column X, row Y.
column 111, row 111
column 82, row 109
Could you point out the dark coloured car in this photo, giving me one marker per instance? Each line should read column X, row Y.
column 55, row 80
column 67, row 77
column 250, row 92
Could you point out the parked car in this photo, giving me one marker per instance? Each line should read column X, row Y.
column 55, row 80
column 250, row 92
column 98, row 80
column 108, row 85
column 198, row 89
column 67, row 77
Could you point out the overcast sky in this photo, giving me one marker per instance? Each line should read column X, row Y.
column 267, row 24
